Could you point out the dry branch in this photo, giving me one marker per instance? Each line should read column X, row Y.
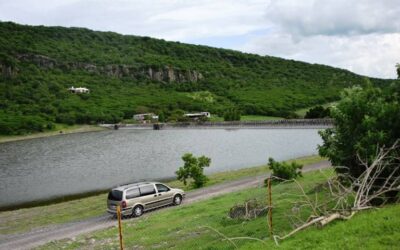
column 362, row 191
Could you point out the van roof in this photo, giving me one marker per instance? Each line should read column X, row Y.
column 137, row 184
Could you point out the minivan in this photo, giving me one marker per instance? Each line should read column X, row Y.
column 136, row 198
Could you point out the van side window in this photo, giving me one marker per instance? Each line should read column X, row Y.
column 162, row 188
column 147, row 190
column 132, row 193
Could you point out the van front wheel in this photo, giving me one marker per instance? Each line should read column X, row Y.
column 177, row 199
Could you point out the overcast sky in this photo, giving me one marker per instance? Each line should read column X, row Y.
column 360, row 35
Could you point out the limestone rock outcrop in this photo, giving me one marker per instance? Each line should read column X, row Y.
column 166, row 74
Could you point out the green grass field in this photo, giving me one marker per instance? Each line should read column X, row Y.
column 205, row 225
column 26, row 219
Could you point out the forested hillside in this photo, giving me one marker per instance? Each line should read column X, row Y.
column 129, row 74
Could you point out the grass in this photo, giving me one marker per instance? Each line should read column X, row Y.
column 192, row 226
column 205, row 96
column 221, row 177
column 375, row 229
column 59, row 129
column 26, row 219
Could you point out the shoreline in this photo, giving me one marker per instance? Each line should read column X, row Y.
column 67, row 130
column 268, row 124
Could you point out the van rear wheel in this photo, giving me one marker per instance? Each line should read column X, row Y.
column 137, row 211
column 177, row 200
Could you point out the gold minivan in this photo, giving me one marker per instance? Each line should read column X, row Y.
column 136, row 198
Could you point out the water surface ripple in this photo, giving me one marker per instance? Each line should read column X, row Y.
column 68, row 164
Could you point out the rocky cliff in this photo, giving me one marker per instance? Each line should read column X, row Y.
column 7, row 70
column 164, row 74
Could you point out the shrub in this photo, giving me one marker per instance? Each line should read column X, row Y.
column 284, row 170
column 318, row 112
column 232, row 115
column 365, row 121
column 161, row 117
column 193, row 168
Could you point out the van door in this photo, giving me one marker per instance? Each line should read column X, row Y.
column 148, row 196
column 164, row 194
column 132, row 196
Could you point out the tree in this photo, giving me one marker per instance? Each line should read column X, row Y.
column 365, row 121
column 193, row 168
column 398, row 70
column 178, row 116
column 283, row 170
column 161, row 117
column 142, row 110
column 317, row 112
column 232, row 115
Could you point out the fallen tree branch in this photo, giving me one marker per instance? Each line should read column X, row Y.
column 312, row 222
column 360, row 192
column 335, row 216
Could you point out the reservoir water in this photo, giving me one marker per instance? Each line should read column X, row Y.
column 49, row 167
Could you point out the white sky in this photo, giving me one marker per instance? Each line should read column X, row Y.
column 360, row 35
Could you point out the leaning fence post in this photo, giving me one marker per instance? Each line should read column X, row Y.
column 270, row 208
column 121, row 244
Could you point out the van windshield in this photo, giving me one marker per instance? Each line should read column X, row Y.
column 115, row 195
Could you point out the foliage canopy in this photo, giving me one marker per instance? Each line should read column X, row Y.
column 366, row 119
column 284, row 170
column 193, row 168
column 232, row 115
column 317, row 112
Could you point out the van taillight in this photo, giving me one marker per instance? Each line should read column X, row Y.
column 123, row 204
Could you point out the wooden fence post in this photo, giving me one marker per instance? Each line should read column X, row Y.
column 121, row 244
column 271, row 232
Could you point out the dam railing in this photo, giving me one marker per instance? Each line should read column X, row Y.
column 284, row 123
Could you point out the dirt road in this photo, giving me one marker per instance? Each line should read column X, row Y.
column 69, row 230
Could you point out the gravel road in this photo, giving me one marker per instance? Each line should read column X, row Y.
column 69, row 230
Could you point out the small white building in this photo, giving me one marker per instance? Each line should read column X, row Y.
column 79, row 90
column 146, row 116
column 198, row 115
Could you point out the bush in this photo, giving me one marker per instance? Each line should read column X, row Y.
column 365, row 121
column 232, row 115
column 161, row 117
column 283, row 170
column 193, row 168
column 318, row 112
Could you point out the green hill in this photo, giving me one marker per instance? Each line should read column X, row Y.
column 129, row 74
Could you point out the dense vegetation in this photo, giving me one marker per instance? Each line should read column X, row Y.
column 38, row 64
column 366, row 120
column 232, row 115
column 283, row 171
column 318, row 112
column 193, row 169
